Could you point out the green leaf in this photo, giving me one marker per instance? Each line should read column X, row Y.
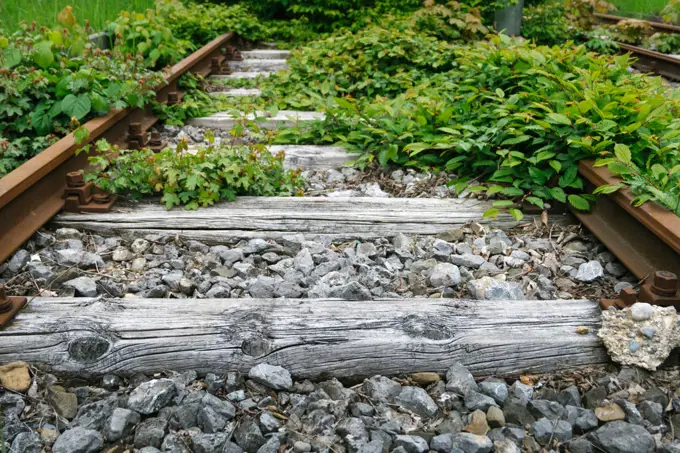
column 622, row 153
column 43, row 54
column 42, row 121
column 500, row 93
column 516, row 214
column 558, row 194
column 503, row 203
column 513, row 192
column 556, row 165
column 76, row 106
column 606, row 189
column 10, row 57
column 558, row 118
column 491, row 213
column 536, row 201
column 579, row 202
column 494, row 189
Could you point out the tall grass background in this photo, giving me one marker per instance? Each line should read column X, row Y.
column 44, row 12
column 638, row 8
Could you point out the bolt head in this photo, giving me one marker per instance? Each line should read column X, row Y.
column 135, row 128
column 75, row 179
column 665, row 283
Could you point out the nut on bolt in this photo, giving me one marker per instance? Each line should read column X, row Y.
column 101, row 198
column 75, row 179
column 665, row 283
column 135, row 129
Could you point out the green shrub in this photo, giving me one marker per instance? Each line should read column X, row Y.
column 149, row 35
column 517, row 116
column 449, row 22
column 546, row 24
column 193, row 179
column 668, row 43
column 371, row 62
column 52, row 80
column 201, row 23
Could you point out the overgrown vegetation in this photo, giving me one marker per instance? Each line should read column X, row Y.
column 51, row 80
column 411, row 84
column 197, row 178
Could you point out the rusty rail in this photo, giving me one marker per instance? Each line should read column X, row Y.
column 645, row 239
column 660, row 26
column 650, row 61
column 32, row 194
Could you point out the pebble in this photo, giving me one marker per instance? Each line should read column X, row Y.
column 15, row 376
column 590, row 271
column 641, row 311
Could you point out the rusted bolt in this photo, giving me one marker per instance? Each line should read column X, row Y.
column 173, row 98
column 101, row 198
column 75, row 179
column 237, row 55
column 665, row 283
column 134, row 143
column 135, row 129
column 628, row 296
column 155, row 139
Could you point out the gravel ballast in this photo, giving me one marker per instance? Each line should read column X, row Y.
column 269, row 412
column 469, row 262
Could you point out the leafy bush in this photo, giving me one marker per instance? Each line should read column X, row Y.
column 449, row 22
column 147, row 34
column 582, row 12
column 630, row 31
column 372, row 61
column 599, row 41
column 52, row 80
column 546, row 23
column 517, row 116
column 201, row 23
column 655, row 181
column 193, row 179
column 668, row 43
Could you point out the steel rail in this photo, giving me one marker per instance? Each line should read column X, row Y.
column 651, row 61
column 645, row 239
column 32, row 194
column 660, row 26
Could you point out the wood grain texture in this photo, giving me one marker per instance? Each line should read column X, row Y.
column 273, row 217
column 266, row 54
column 241, row 75
column 311, row 338
column 310, row 157
column 237, row 92
column 258, row 64
column 284, row 118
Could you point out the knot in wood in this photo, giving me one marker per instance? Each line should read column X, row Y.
column 424, row 327
column 88, row 349
column 256, row 346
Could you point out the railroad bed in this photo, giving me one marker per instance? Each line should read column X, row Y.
column 370, row 273
column 347, row 240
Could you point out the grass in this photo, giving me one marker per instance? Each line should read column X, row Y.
column 638, row 7
column 44, row 12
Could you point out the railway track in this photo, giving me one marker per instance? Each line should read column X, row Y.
column 95, row 336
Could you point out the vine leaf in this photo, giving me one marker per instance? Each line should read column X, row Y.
column 78, row 106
